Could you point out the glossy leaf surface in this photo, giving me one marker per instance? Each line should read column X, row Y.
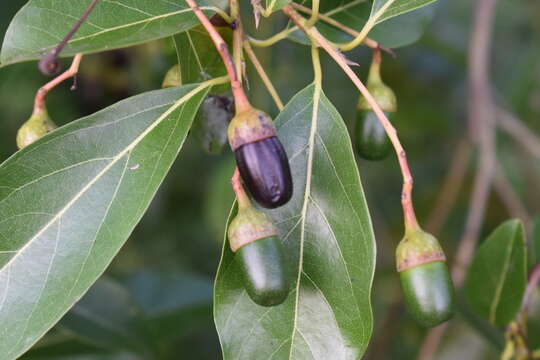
column 70, row 200
column 328, row 238
column 496, row 279
column 41, row 24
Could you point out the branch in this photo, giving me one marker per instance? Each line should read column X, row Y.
column 406, row 195
column 240, row 98
column 532, row 283
column 39, row 101
column 264, row 77
column 523, row 135
column 338, row 25
column 49, row 63
column 481, row 123
column 511, row 200
column 451, row 187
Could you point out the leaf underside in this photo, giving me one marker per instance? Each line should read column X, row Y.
column 69, row 201
column 327, row 233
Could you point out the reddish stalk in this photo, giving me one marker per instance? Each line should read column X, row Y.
column 241, row 197
column 240, row 98
column 406, row 194
column 48, row 64
column 39, row 101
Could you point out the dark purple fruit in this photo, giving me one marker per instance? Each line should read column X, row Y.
column 265, row 170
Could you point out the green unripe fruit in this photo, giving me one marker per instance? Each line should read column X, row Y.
column 34, row 128
column 263, row 269
column 425, row 280
column 173, row 77
column 212, row 121
column 428, row 293
column 260, row 255
column 371, row 139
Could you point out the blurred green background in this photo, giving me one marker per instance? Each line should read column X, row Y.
column 155, row 300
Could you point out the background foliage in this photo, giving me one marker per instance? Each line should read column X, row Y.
column 174, row 252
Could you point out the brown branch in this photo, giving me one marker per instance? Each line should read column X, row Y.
column 49, row 63
column 240, row 98
column 451, row 187
column 263, row 75
column 523, row 135
column 511, row 200
column 532, row 283
column 338, row 25
column 481, row 126
column 39, row 101
column 406, row 195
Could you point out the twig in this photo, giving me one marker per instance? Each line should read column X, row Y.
column 481, row 116
column 262, row 73
column 338, row 25
column 406, row 195
column 523, row 135
column 532, row 283
column 370, row 23
column 49, row 63
column 240, row 99
column 39, row 101
column 451, row 187
column 511, row 200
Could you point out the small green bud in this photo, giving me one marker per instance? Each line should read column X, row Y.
column 173, row 77
column 35, row 128
column 425, row 280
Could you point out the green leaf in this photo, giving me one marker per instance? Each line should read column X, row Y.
column 173, row 304
column 496, row 280
column 41, row 24
column 273, row 5
column 386, row 9
column 327, row 233
column 197, row 55
column 533, row 249
column 115, row 324
column 70, row 200
column 392, row 31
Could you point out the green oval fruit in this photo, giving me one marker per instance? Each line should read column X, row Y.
column 35, row 128
column 264, row 271
column 428, row 293
column 371, row 139
column 211, row 123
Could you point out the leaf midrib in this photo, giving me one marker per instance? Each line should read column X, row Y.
column 99, row 175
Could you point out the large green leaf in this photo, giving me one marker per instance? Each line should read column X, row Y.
column 496, row 280
column 391, row 30
column 328, row 236
column 69, row 201
column 41, row 24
